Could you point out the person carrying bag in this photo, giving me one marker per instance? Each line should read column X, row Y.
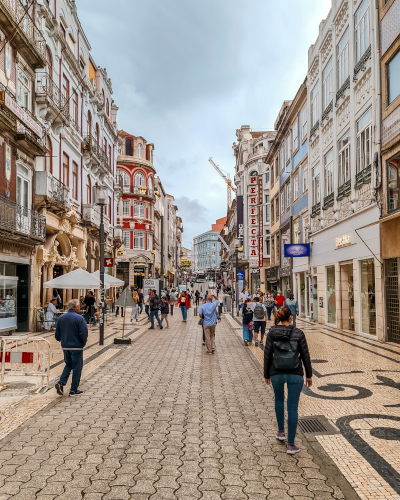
column 285, row 355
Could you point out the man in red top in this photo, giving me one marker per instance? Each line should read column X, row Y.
column 279, row 300
column 184, row 304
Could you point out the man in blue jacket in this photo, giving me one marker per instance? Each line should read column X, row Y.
column 72, row 332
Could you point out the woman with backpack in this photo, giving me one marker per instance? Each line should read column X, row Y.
column 269, row 304
column 285, row 354
column 247, row 319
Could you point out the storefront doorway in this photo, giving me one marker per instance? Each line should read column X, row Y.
column 314, row 303
column 330, row 296
column 392, row 292
column 302, row 302
column 367, row 296
column 347, row 296
column 57, row 272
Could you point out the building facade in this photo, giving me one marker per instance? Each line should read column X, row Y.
column 344, row 148
column 207, row 247
column 389, row 16
column 252, row 178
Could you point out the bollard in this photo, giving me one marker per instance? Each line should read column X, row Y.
column 195, row 311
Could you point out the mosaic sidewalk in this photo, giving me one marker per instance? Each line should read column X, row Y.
column 357, row 387
column 164, row 420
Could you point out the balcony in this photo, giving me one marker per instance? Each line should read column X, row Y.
column 342, row 91
column 344, row 190
column 316, row 210
column 314, row 129
column 328, row 109
column 91, row 215
column 22, row 221
column 142, row 191
column 48, row 94
column 68, row 54
column 91, row 148
column 328, row 201
column 361, row 65
column 17, row 24
column 51, row 190
column 363, row 177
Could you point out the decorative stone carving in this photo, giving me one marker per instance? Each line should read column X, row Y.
column 314, row 145
column 313, row 70
column 363, row 88
column 343, row 112
column 326, row 47
column 327, row 133
column 341, row 18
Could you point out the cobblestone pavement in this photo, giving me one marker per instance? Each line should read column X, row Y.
column 356, row 386
column 164, row 420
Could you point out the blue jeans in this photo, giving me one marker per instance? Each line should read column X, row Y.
column 140, row 307
column 184, row 312
column 73, row 361
column 245, row 332
column 294, row 385
column 146, row 310
column 269, row 311
column 154, row 314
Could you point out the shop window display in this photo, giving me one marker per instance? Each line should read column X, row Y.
column 330, row 295
column 393, row 184
column 367, row 299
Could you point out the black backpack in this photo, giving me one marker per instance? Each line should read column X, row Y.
column 286, row 353
column 259, row 312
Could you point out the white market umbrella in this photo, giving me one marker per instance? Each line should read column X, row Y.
column 75, row 280
column 109, row 280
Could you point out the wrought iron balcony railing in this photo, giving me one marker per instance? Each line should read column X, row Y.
column 360, row 66
column 340, row 93
column 142, row 191
column 91, row 213
column 47, row 185
column 314, row 129
column 45, row 86
column 363, row 177
column 328, row 200
column 91, row 145
column 20, row 220
column 344, row 190
column 328, row 109
column 25, row 24
column 316, row 210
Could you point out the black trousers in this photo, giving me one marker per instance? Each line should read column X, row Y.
column 172, row 309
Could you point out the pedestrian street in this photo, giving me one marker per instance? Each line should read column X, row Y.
column 161, row 419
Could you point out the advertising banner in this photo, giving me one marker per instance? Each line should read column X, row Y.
column 297, row 250
column 239, row 218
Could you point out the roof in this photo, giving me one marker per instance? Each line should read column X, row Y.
column 257, row 134
column 219, row 224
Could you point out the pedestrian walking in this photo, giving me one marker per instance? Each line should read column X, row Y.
column 135, row 310
column 247, row 319
column 165, row 310
column 269, row 304
column 140, row 301
column 155, row 304
column 118, row 307
column 184, row 304
column 259, row 318
column 147, row 304
column 208, row 312
column 285, row 354
column 292, row 304
column 279, row 300
column 242, row 298
column 72, row 332
column 172, row 300
column 197, row 297
column 90, row 308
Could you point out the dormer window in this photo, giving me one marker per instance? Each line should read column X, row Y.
column 139, row 150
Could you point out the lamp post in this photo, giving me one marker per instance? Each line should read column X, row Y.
column 101, row 197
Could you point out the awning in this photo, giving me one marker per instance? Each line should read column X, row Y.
column 75, row 280
column 108, row 279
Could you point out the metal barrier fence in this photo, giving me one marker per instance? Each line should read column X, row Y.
column 28, row 356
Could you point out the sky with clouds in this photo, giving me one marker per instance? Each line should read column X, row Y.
column 186, row 74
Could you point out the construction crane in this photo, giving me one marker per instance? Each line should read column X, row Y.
column 227, row 179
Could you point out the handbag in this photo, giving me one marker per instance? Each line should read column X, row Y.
column 251, row 325
column 201, row 322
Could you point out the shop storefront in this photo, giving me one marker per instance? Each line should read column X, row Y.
column 255, row 280
column 346, row 287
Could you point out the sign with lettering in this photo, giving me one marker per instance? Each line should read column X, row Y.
column 253, row 221
column 8, row 102
column 239, row 218
column 260, row 223
column 343, row 241
column 8, row 163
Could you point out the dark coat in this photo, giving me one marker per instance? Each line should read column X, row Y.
column 277, row 333
column 72, row 331
column 247, row 315
column 155, row 303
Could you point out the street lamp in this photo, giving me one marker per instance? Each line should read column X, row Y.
column 101, row 199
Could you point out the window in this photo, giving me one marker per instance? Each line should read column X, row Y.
column 314, row 105
column 315, row 185
column 304, row 178
column 296, row 230
column 89, row 122
column 139, row 149
column 49, row 62
column 89, row 191
column 330, row 295
column 295, row 186
column 71, row 42
column 328, row 167
column 344, row 159
column 74, row 180
column 361, row 25
column 283, row 201
column 138, row 240
column 49, row 156
column 304, row 123
column 277, row 209
column 65, row 88
column 66, row 169
column 105, row 145
column 108, row 108
column 327, row 84
column 126, row 239
column 23, row 190
column 109, row 154
column 150, row 184
column 282, row 158
column 288, row 197
column 295, row 136
column 393, row 77
column 24, row 90
column 62, row 30
column 149, row 242
column 138, row 179
column 109, row 207
column 288, row 149
column 393, row 183
column 126, row 209
column 343, row 59
column 138, row 209
column 267, row 177
column 272, row 212
column 97, row 133
column 305, row 230
column 267, row 212
column 364, row 140
column 75, row 110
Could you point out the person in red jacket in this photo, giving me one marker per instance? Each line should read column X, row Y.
column 184, row 304
column 279, row 300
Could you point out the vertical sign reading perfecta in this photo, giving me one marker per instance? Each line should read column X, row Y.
column 260, row 223
column 253, row 221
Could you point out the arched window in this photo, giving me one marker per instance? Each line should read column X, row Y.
column 49, row 62
column 89, row 122
column 138, row 179
column 108, row 108
column 125, row 178
column 150, row 183
column 49, row 156
column 139, row 149
column 97, row 133
column 89, row 190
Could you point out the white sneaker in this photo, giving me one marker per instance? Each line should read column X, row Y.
column 135, row 323
column 129, row 323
